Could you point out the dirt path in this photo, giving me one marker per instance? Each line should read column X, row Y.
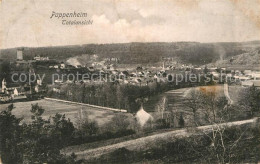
column 230, row 101
column 141, row 143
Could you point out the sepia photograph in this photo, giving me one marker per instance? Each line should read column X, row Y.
column 129, row 81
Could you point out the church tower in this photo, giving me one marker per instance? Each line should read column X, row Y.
column 3, row 85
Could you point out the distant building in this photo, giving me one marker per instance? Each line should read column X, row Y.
column 14, row 89
column 247, row 83
column 256, row 75
column 113, row 59
column 56, row 66
column 39, row 82
column 39, row 58
column 62, row 65
column 247, row 72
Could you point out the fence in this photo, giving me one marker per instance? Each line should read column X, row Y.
column 83, row 104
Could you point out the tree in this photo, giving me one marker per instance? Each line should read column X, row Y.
column 181, row 121
column 37, row 142
column 10, row 137
column 164, row 120
column 207, row 103
column 36, row 111
column 250, row 100
column 162, row 106
column 85, row 126
column 5, row 70
column 217, row 110
column 194, row 103
column 61, row 130
column 120, row 96
column 120, row 122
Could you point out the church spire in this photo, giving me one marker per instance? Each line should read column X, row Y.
column 3, row 85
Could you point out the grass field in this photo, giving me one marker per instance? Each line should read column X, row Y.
column 22, row 109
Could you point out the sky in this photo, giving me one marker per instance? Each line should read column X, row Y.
column 27, row 23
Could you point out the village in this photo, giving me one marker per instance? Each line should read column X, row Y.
column 100, row 72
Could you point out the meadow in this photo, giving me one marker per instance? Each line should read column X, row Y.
column 71, row 111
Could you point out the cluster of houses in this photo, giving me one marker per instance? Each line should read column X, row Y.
column 248, row 78
column 15, row 91
column 139, row 76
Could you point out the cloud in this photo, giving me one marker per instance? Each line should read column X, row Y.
column 28, row 23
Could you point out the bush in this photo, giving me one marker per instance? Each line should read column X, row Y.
column 162, row 124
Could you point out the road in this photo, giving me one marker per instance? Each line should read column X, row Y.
column 141, row 143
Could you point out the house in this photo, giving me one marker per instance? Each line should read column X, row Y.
column 247, row 72
column 247, row 83
column 114, row 72
column 229, row 75
column 198, row 68
column 56, row 90
column 133, row 74
column 215, row 74
column 39, row 82
column 10, row 89
column 244, row 78
column 37, row 88
column 91, row 69
column 143, row 117
column 256, row 75
column 16, row 93
column 62, row 65
column 4, row 98
column 58, row 81
column 140, row 74
column 20, row 91
column 56, row 66
column 256, row 83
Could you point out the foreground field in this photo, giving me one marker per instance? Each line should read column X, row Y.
column 22, row 109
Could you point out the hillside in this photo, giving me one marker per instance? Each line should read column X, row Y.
column 249, row 59
column 138, row 53
column 147, row 142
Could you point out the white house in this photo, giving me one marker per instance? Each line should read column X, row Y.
column 16, row 93
column 143, row 117
column 62, row 66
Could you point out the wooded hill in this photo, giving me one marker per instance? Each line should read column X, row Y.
column 141, row 53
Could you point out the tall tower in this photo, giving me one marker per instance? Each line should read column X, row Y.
column 3, row 85
column 19, row 54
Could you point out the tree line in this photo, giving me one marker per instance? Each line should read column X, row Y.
column 109, row 94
